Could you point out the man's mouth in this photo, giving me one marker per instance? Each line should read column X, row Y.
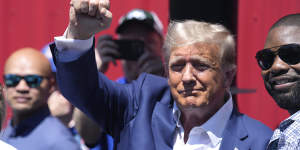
column 189, row 92
column 283, row 83
column 21, row 99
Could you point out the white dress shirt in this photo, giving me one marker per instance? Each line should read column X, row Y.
column 71, row 49
column 208, row 136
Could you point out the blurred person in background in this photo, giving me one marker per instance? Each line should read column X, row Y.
column 139, row 47
column 29, row 82
column 3, row 145
column 138, row 44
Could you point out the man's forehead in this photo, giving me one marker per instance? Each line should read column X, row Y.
column 26, row 64
column 202, row 48
column 283, row 35
column 24, row 69
column 206, row 52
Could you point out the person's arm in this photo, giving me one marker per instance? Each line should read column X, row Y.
column 86, row 18
column 110, row 104
column 60, row 108
column 88, row 129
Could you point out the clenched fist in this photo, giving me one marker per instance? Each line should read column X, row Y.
column 88, row 17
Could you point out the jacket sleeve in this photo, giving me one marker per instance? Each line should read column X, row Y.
column 110, row 104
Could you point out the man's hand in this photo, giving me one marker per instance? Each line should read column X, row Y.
column 150, row 63
column 107, row 50
column 60, row 107
column 88, row 17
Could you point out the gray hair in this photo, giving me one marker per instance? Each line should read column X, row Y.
column 181, row 33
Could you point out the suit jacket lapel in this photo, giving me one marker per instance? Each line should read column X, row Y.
column 235, row 133
column 163, row 125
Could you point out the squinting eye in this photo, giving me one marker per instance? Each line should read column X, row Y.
column 177, row 67
column 201, row 67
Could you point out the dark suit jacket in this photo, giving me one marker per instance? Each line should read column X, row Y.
column 139, row 115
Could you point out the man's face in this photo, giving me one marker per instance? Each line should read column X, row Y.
column 23, row 98
column 196, row 78
column 150, row 61
column 282, row 80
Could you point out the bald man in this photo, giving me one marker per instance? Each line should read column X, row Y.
column 280, row 65
column 28, row 83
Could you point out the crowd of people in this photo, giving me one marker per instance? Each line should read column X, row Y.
column 175, row 93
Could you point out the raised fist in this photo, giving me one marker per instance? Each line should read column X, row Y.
column 88, row 17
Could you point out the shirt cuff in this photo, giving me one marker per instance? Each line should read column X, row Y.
column 71, row 49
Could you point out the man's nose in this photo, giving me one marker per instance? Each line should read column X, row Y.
column 188, row 75
column 279, row 67
column 22, row 86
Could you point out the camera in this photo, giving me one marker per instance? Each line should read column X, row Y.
column 130, row 49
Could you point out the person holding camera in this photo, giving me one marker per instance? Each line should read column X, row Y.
column 139, row 47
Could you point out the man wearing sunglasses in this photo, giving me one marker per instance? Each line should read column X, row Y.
column 28, row 83
column 280, row 64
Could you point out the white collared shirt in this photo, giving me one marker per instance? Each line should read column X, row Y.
column 208, row 136
column 71, row 49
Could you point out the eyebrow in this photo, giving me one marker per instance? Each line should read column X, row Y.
column 202, row 59
column 192, row 58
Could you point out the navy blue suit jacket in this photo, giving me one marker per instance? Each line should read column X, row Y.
column 139, row 115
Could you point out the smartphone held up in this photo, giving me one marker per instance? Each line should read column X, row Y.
column 130, row 49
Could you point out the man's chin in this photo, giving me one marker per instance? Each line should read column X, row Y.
column 193, row 106
column 286, row 100
column 21, row 108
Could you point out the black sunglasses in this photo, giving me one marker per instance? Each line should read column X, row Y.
column 33, row 81
column 289, row 53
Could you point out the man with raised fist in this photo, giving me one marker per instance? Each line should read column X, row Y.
column 190, row 109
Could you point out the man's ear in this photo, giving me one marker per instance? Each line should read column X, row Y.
column 166, row 72
column 52, row 84
column 168, row 81
column 229, row 76
column 4, row 91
